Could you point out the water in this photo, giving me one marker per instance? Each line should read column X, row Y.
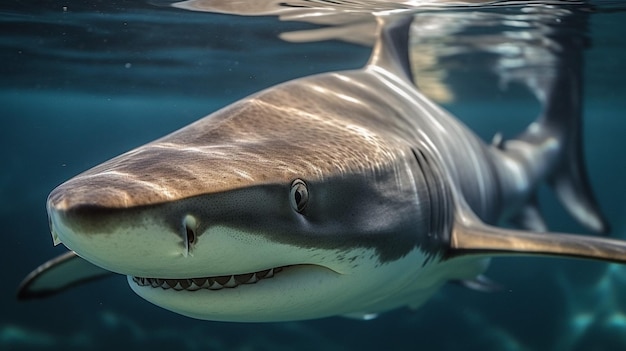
column 81, row 82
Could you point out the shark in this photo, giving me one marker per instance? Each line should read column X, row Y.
column 343, row 193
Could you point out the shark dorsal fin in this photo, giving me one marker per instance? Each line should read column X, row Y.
column 472, row 237
column 391, row 50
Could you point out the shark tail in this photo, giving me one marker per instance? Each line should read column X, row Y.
column 551, row 149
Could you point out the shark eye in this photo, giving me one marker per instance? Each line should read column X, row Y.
column 299, row 195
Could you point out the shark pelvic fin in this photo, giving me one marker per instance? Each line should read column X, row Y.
column 391, row 50
column 529, row 217
column 472, row 237
column 59, row 274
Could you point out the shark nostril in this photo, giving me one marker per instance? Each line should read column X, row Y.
column 191, row 235
column 190, row 226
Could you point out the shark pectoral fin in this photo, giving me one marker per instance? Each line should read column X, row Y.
column 472, row 237
column 58, row 274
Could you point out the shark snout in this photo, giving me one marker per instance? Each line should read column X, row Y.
column 84, row 208
column 98, row 218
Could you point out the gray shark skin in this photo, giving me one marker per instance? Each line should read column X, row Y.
column 345, row 193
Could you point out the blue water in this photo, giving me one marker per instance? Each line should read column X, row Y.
column 81, row 84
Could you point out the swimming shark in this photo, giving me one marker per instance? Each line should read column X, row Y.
column 345, row 193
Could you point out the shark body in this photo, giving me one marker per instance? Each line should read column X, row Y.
column 345, row 193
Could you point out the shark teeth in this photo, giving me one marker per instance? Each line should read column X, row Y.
column 210, row 283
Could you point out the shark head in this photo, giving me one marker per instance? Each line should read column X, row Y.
column 200, row 220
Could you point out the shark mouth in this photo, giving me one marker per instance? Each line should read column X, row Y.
column 210, row 283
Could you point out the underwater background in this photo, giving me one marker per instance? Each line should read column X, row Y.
column 83, row 81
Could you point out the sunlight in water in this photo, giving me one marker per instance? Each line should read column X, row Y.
column 593, row 307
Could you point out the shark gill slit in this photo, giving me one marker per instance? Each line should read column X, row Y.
column 436, row 197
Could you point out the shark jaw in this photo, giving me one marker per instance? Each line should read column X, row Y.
column 300, row 291
column 295, row 292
